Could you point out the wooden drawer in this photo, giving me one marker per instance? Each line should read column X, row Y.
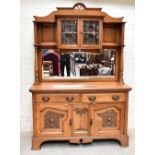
column 100, row 98
column 57, row 98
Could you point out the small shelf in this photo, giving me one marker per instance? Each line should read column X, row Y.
column 69, row 32
column 46, row 44
column 91, row 32
column 109, row 44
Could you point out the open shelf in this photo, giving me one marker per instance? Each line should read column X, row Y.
column 109, row 44
column 46, row 44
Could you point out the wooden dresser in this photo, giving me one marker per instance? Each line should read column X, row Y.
column 79, row 108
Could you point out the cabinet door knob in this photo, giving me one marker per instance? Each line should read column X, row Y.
column 69, row 98
column 91, row 122
column 92, row 98
column 70, row 122
column 115, row 97
column 45, row 98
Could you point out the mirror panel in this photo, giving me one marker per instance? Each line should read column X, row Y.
column 77, row 64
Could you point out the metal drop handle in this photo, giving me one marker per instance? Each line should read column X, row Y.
column 69, row 98
column 92, row 98
column 115, row 97
column 45, row 98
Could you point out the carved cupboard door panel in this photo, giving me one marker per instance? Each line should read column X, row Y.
column 80, row 126
column 55, row 120
column 107, row 119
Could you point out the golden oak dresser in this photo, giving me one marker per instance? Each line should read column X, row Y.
column 79, row 94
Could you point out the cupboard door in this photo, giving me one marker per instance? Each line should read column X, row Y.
column 80, row 126
column 68, row 32
column 90, row 33
column 107, row 119
column 55, row 120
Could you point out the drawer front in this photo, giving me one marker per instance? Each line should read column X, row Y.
column 57, row 98
column 100, row 98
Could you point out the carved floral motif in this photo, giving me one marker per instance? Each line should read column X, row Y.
column 109, row 118
column 52, row 119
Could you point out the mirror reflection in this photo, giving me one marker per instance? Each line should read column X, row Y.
column 78, row 64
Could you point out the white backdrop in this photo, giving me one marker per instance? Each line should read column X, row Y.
column 30, row 8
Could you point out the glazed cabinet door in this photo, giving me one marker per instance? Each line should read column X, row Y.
column 107, row 119
column 55, row 119
column 90, row 33
column 68, row 33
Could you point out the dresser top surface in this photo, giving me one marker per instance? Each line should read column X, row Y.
column 79, row 87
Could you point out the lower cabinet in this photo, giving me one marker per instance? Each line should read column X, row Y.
column 77, row 117
column 81, row 119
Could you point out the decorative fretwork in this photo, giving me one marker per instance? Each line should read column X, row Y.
column 79, row 6
column 81, row 111
column 52, row 119
column 109, row 118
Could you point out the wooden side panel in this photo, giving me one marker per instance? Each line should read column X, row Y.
column 112, row 33
column 109, row 34
column 46, row 32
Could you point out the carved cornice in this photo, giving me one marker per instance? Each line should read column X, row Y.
column 79, row 9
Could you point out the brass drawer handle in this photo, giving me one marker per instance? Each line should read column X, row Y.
column 92, row 98
column 69, row 98
column 45, row 98
column 115, row 97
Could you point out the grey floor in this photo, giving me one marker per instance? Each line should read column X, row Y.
column 64, row 148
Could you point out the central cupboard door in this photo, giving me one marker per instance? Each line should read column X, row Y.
column 81, row 120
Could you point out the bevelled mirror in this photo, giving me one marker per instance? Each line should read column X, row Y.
column 78, row 64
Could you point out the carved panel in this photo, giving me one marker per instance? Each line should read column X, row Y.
column 80, row 120
column 109, row 118
column 79, row 6
column 52, row 119
column 80, row 111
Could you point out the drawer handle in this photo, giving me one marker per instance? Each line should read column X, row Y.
column 115, row 97
column 92, row 98
column 69, row 98
column 45, row 98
